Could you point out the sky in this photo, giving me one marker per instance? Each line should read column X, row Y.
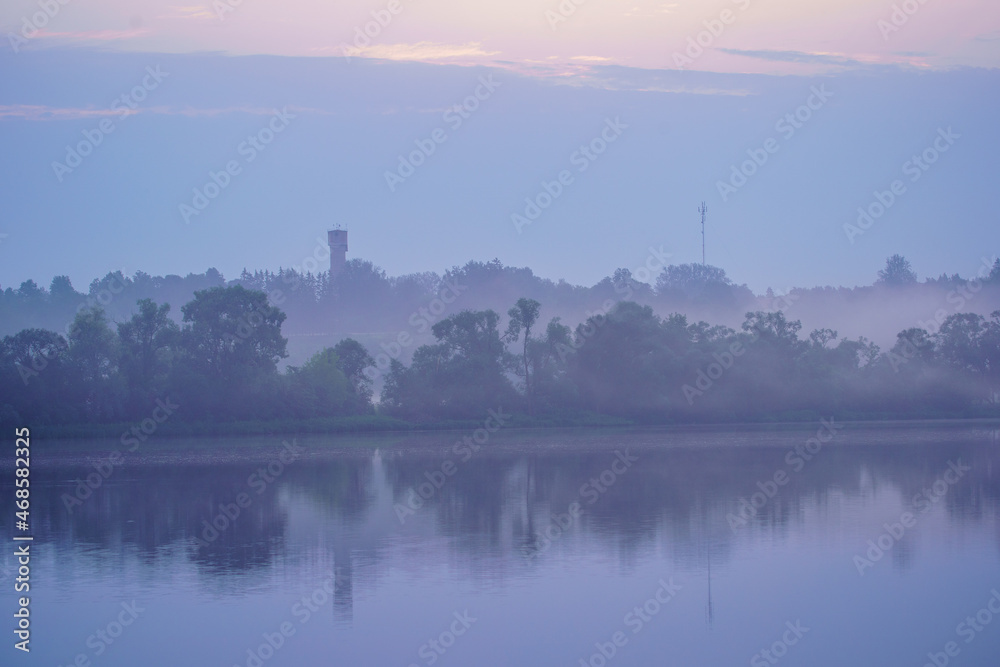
column 571, row 138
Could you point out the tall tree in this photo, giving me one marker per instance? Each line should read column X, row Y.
column 92, row 346
column 523, row 316
column 991, row 350
column 623, row 362
column 320, row 388
column 461, row 376
column 144, row 339
column 93, row 357
column 700, row 284
column 34, row 375
column 960, row 342
column 897, row 271
column 232, row 330
column 352, row 360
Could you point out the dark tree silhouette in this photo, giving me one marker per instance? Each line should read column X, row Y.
column 523, row 316
column 897, row 271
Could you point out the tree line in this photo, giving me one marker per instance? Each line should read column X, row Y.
column 222, row 363
column 363, row 298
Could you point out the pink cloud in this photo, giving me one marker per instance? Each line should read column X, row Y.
column 93, row 35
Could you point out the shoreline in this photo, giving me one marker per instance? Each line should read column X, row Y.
column 377, row 424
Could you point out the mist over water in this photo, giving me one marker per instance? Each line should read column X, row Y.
column 499, row 541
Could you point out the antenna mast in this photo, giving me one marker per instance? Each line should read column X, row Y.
column 703, row 209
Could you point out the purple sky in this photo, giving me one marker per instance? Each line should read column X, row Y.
column 497, row 105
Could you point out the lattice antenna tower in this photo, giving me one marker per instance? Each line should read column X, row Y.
column 703, row 209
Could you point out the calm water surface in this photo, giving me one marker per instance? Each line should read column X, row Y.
column 557, row 548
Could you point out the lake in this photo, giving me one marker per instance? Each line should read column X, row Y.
column 814, row 545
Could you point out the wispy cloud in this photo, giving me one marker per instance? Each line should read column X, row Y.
column 190, row 12
column 604, row 73
column 41, row 112
column 609, row 76
column 93, row 35
column 422, row 51
column 795, row 56
column 36, row 112
column 839, row 60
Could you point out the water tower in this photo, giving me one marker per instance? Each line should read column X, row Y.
column 338, row 250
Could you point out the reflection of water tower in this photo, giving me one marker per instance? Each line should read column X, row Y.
column 338, row 250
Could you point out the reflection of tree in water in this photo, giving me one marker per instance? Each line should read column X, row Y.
column 673, row 503
column 470, row 503
column 341, row 488
column 679, row 499
column 251, row 541
column 147, row 508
